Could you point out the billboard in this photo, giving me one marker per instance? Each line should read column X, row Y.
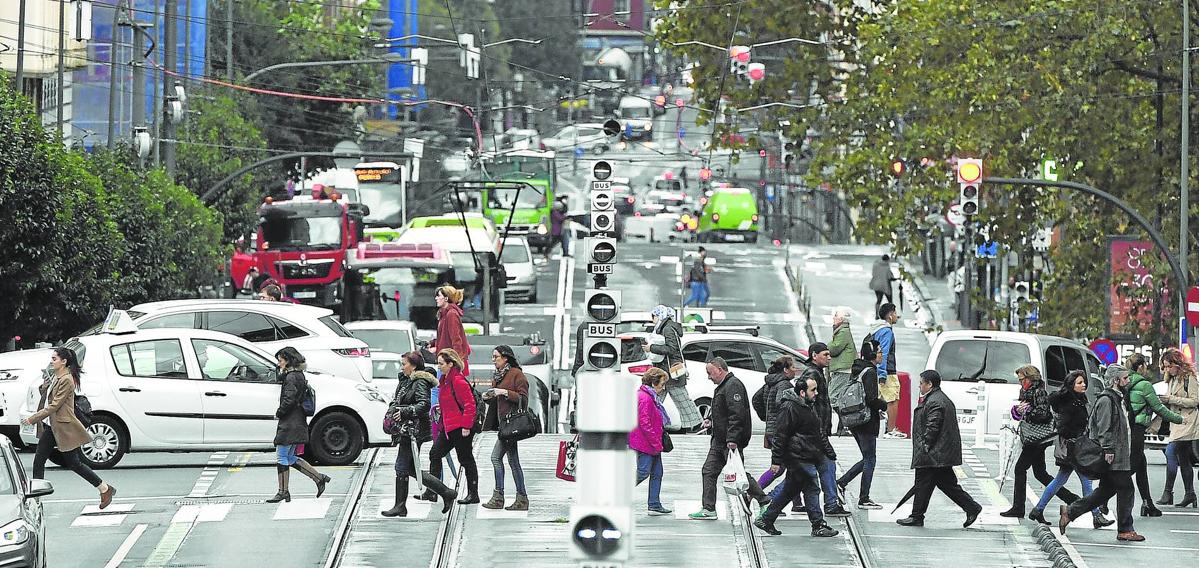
column 1132, row 289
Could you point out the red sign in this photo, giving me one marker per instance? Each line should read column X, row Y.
column 1105, row 349
column 1131, row 287
column 1193, row 306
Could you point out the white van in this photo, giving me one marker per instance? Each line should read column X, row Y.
column 637, row 115
column 963, row 357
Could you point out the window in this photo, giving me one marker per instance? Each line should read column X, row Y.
column 158, row 358
column 696, row 352
column 228, row 362
column 770, row 354
column 390, row 341
column 248, row 326
column 620, row 9
column 335, row 325
column 975, row 359
column 287, row 330
column 737, row 355
column 516, row 252
column 1060, row 361
column 186, row 320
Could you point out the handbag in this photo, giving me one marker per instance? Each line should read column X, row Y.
column 520, row 424
column 1032, row 433
column 678, row 371
column 83, row 410
column 667, row 445
column 1086, row 455
column 567, row 454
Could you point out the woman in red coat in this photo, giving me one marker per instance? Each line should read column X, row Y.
column 457, row 401
column 450, row 334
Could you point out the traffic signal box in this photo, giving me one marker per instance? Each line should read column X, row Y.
column 970, row 177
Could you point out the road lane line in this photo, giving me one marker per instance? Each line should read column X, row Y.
column 122, row 551
column 1071, row 550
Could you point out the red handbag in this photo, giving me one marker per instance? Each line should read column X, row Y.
column 567, row 452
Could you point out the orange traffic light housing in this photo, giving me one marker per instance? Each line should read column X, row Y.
column 898, row 167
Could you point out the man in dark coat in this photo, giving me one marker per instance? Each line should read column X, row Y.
column 730, row 425
column 936, row 449
column 817, row 366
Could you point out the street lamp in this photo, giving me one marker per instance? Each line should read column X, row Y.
column 385, row 58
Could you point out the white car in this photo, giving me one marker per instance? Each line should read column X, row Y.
column 388, row 340
column 198, row 390
column 313, row 331
column 518, row 265
column 588, row 136
column 18, row 370
column 524, row 139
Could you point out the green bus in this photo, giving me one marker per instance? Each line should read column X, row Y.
column 530, row 204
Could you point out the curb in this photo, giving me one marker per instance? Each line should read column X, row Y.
column 918, row 301
column 795, row 278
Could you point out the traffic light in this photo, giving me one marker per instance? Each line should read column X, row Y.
column 898, row 167
column 705, row 174
column 600, row 533
column 1021, row 292
column 739, row 60
column 601, row 255
column 970, row 176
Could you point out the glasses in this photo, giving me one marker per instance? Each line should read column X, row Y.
column 494, row 357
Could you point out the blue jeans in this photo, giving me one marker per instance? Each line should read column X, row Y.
column 800, row 479
column 650, row 466
column 868, row 445
column 286, row 455
column 828, row 482
column 699, row 294
column 497, row 464
column 1178, row 456
column 1063, row 475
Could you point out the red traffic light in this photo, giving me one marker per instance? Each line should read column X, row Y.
column 705, row 174
column 898, row 167
column 762, row 152
column 660, row 100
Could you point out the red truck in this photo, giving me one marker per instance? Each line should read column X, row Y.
column 301, row 243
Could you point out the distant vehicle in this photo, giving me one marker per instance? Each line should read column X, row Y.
column 730, row 215
column 626, row 200
column 637, row 116
column 388, row 340
column 478, row 238
column 383, row 189
column 22, row 518
column 589, row 136
column 18, row 370
column 518, row 265
column 673, row 185
column 529, row 203
column 670, row 201
column 607, row 76
column 524, row 139
column 396, row 283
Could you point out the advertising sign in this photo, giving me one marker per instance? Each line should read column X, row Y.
column 1130, row 285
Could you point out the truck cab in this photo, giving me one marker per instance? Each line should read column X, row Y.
column 525, row 194
column 301, row 243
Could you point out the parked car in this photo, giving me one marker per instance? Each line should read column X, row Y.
column 517, row 259
column 22, row 522
column 589, row 136
column 524, row 139
column 389, row 340
column 18, row 370
column 176, row 389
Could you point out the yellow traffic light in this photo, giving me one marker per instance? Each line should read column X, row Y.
column 970, row 171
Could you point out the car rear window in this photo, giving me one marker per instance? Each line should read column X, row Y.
column 336, row 326
column 975, row 359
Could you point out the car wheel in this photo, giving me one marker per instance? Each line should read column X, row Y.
column 110, row 442
column 704, row 405
column 336, row 438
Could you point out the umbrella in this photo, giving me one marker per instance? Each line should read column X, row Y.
column 904, row 499
column 1012, row 455
column 420, row 484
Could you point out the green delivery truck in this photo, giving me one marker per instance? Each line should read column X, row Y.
column 529, row 206
column 730, row 215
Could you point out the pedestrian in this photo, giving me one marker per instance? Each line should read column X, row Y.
column 817, row 365
column 60, row 434
column 510, row 391
column 1108, row 427
column 271, row 293
column 647, row 437
column 450, row 333
column 410, row 408
column 292, row 430
column 457, row 401
column 1143, row 404
column 558, row 229
column 880, row 281
column 936, row 449
column 1182, row 397
column 779, row 379
column 866, row 435
column 1069, row 404
column 671, row 351
column 1033, row 412
column 888, row 373
column 247, row 283
column 260, row 279
column 730, row 425
column 697, row 280
column 841, row 348
column 800, row 442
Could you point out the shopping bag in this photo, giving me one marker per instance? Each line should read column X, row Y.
column 567, row 450
column 733, row 474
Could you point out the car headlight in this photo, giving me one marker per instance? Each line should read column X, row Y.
column 15, row 532
column 371, row 393
column 541, row 230
column 649, row 126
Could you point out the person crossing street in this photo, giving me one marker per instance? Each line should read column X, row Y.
column 841, row 348
column 826, row 465
column 730, row 426
column 888, row 373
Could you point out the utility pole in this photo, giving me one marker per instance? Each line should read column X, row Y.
column 170, row 62
column 112, row 71
column 21, row 47
column 139, row 75
column 229, row 40
column 1184, row 198
column 62, row 62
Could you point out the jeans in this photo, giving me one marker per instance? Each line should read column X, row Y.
column 710, row 475
column 71, row 460
column 1178, row 456
column 405, row 464
column 699, row 294
column 650, row 466
column 1034, row 456
column 497, row 463
column 868, row 445
column 461, row 445
column 286, row 455
column 828, row 482
column 943, row 478
column 1118, row 483
column 801, row 478
column 1063, row 475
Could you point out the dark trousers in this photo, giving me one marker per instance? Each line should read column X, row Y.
column 878, row 299
column 466, row 456
column 1118, row 483
column 1034, row 457
column 943, row 478
column 717, row 456
column 1139, row 465
column 802, row 477
column 72, row 460
column 405, row 465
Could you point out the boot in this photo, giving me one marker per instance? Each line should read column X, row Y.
column 521, row 503
column 401, row 506
column 496, row 502
column 1038, row 515
column 1148, row 510
column 439, row 490
column 1188, row 500
column 472, row 492
column 283, row 494
column 429, row 494
column 317, row 477
column 1167, row 497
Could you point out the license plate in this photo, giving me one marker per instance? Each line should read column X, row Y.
column 735, row 238
column 299, row 295
column 28, row 428
column 965, row 419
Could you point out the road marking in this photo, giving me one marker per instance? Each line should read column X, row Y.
column 171, row 540
column 1139, row 547
column 485, row 513
column 560, row 306
column 675, row 260
column 119, row 556
column 417, row 510
column 209, row 474
column 206, row 513
column 1068, row 546
column 303, row 509
column 240, row 462
column 564, row 340
column 93, row 516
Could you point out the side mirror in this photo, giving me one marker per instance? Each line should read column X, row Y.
column 39, row 488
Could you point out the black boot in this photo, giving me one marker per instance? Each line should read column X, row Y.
column 1167, row 497
column 283, row 494
column 317, row 477
column 472, row 492
column 400, row 509
column 434, row 485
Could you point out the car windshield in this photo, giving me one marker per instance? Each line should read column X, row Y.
column 296, row 233
column 390, row 340
column 635, row 112
column 398, row 294
column 383, row 200
column 981, row 359
column 515, row 252
column 525, row 198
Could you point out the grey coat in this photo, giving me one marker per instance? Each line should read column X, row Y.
column 671, row 349
column 936, row 441
column 1109, row 428
column 293, row 425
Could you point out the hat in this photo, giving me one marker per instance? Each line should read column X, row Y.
column 817, row 348
column 1113, row 373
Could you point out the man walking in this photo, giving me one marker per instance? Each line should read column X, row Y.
column 730, row 426
column 888, row 374
column 936, row 449
column 825, row 465
column 800, row 443
column 880, row 280
column 842, row 349
column 697, row 279
column 1108, row 426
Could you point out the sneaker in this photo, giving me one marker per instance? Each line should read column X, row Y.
column 867, row 503
column 703, row 515
column 768, row 529
column 837, row 511
column 656, row 510
column 897, row 435
column 823, row 530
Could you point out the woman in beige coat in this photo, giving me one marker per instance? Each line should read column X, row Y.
column 1182, row 397
column 61, row 441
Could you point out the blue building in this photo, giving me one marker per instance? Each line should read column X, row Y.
column 403, row 15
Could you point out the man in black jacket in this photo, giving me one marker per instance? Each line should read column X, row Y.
column 817, row 366
column 936, row 449
column 801, row 443
column 730, row 425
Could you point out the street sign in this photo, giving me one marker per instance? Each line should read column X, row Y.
column 1193, row 306
column 601, row 170
column 1049, row 169
column 603, row 306
column 954, row 216
column 601, row 329
column 598, row 268
column 601, row 185
column 682, row 132
column 989, row 250
column 579, row 152
column 1105, row 349
column 601, row 200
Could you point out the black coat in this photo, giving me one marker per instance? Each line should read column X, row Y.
column 293, row 425
column 873, row 402
column 413, row 401
column 1070, row 413
column 936, row 440
column 823, row 404
column 775, row 385
column 730, row 413
column 799, row 434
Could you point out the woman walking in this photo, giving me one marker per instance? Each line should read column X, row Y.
column 292, row 430
column 409, row 408
column 671, row 352
column 450, row 334
column 1144, row 404
column 457, row 402
column 865, row 369
column 1069, row 404
column 1036, row 435
column 1183, row 398
column 780, row 377
column 510, row 391
column 59, row 432
column 646, row 439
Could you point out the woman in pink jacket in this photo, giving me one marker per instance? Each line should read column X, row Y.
column 457, row 401
column 646, row 438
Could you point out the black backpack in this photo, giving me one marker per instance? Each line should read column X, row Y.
column 308, row 403
column 480, row 407
column 758, row 401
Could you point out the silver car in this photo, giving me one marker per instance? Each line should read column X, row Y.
column 22, row 530
column 522, row 274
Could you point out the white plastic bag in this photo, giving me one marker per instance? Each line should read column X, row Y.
column 733, row 474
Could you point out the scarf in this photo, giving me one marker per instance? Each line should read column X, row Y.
column 665, row 315
column 657, row 403
column 498, row 375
